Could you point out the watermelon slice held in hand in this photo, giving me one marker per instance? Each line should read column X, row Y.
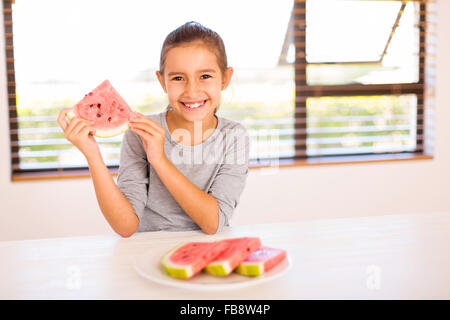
column 187, row 259
column 106, row 108
column 261, row 261
column 237, row 250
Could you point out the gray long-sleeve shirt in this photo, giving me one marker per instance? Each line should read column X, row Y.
column 218, row 166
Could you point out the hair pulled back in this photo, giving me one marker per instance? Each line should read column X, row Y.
column 192, row 32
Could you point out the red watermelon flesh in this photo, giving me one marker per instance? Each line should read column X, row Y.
column 261, row 261
column 237, row 250
column 186, row 260
column 106, row 108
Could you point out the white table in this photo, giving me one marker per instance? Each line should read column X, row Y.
column 386, row 257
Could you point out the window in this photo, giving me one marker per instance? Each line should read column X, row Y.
column 362, row 75
column 312, row 78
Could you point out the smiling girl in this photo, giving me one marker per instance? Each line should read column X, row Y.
column 184, row 168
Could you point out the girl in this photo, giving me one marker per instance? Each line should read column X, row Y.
column 184, row 168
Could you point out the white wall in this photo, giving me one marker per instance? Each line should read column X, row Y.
column 56, row 208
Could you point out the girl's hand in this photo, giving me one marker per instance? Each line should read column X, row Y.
column 152, row 135
column 80, row 132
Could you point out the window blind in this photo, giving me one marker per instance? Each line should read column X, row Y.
column 328, row 115
column 369, row 118
column 11, row 85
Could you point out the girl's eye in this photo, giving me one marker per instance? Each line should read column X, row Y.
column 177, row 78
column 205, row 76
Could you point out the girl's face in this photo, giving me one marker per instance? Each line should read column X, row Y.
column 193, row 81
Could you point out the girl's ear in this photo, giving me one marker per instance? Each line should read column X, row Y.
column 161, row 80
column 227, row 77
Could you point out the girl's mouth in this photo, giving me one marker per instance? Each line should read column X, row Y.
column 194, row 106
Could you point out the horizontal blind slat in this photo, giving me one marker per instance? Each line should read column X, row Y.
column 359, row 150
column 57, row 153
column 260, row 132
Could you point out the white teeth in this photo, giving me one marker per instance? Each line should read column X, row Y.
column 193, row 105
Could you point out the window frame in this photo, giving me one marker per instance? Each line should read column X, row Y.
column 303, row 91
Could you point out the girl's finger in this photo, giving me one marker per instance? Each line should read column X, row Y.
column 133, row 116
column 90, row 129
column 144, row 127
column 143, row 134
column 62, row 118
column 79, row 127
column 140, row 118
column 73, row 122
column 85, row 131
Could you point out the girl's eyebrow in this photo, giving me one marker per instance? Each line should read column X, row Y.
column 174, row 73
column 207, row 70
column 199, row 71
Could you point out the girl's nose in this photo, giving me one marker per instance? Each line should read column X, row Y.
column 191, row 88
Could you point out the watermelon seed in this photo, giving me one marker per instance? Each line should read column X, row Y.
column 109, row 119
column 98, row 105
column 91, row 105
column 99, row 115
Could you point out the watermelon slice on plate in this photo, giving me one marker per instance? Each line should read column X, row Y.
column 187, row 259
column 261, row 261
column 106, row 108
column 237, row 250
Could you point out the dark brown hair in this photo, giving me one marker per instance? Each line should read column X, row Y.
column 191, row 32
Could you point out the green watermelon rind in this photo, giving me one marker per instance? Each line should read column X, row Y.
column 173, row 269
column 252, row 269
column 223, row 267
column 104, row 133
column 219, row 268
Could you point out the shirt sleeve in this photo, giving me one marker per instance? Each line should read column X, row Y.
column 133, row 177
column 231, row 177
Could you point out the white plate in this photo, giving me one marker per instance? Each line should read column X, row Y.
column 148, row 265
